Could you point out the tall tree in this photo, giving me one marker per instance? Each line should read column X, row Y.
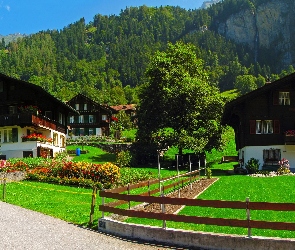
column 178, row 105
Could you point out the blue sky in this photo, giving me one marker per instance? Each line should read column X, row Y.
column 31, row 16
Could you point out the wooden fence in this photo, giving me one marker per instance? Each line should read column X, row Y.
column 148, row 198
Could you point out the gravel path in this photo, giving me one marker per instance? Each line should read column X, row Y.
column 25, row 229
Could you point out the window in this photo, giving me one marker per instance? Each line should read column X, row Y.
column 284, row 98
column 90, row 118
column 61, row 118
column 81, row 118
column 104, row 117
column 271, row 155
column 12, row 110
column 82, row 131
column 72, row 119
column 264, row 127
column 85, row 106
column 10, row 135
column 91, row 132
column 77, row 106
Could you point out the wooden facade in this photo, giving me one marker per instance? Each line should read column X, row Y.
column 93, row 118
column 262, row 118
column 27, row 109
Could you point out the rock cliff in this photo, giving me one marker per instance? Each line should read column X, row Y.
column 269, row 26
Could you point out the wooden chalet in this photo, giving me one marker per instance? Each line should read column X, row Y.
column 32, row 122
column 129, row 109
column 264, row 123
column 93, row 118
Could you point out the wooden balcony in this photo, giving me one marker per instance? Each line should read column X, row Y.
column 27, row 119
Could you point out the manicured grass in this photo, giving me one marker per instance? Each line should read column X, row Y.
column 237, row 188
column 94, row 155
column 67, row 203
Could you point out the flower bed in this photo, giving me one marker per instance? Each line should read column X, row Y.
column 36, row 137
column 66, row 172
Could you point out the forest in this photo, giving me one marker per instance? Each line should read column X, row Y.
column 106, row 59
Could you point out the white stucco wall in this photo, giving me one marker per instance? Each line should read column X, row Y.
column 287, row 152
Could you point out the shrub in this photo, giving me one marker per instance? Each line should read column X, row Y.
column 208, row 173
column 132, row 175
column 252, row 166
column 123, row 159
column 283, row 170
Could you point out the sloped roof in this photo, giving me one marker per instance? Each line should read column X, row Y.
column 257, row 92
column 105, row 107
column 125, row 107
column 39, row 89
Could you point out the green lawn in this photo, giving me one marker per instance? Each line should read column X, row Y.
column 67, row 203
column 238, row 188
column 94, row 154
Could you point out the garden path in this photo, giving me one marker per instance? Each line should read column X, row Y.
column 25, row 229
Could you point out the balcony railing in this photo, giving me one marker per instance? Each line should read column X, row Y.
column 25, row 119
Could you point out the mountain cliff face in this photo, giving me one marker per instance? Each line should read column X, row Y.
column 269, row 26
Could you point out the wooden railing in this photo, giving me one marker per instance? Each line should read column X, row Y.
column 27, row 119
column 147, row 198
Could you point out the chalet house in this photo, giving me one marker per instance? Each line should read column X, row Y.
column 32, row 122
column 264, row 123
column 130, row 109
column 93, row 119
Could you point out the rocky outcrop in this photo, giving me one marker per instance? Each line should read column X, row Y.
column 270, row 25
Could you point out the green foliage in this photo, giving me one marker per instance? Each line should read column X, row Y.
column 134, row 175
column 283, row 170
column 123, row 159
column 179, row 97
column 252, row 166
column 208, row 173
column 107, row 58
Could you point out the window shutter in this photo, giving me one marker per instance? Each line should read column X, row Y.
column 276, row 126
column 276, row 98
column 252, row 127
column 14, row 135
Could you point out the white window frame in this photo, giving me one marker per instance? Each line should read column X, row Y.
column 7, row 135
column 284, row 98
column 72, row 119
column 264, row 126
column 77, row 106
column 91, row 120
column 104, row 117
column 81, row 118
column 85, row 106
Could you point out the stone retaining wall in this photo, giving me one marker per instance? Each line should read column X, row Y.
column 12, row 176
column 192, row 239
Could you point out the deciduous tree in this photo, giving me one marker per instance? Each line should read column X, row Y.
column 178, row 105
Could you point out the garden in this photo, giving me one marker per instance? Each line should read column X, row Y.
column 63, row 187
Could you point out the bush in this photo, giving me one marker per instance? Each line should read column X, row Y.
column 208, row 173
column 123, row 159
column 252, row 166
column 283, row 170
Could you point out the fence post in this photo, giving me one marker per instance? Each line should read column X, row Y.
column 163, row 208
column 102, row 203
column 128, row 188
column 248, row 216
column 4, row 187
column 190, row 171
column 93, row 201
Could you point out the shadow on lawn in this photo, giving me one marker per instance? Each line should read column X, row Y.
column 103, row 158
